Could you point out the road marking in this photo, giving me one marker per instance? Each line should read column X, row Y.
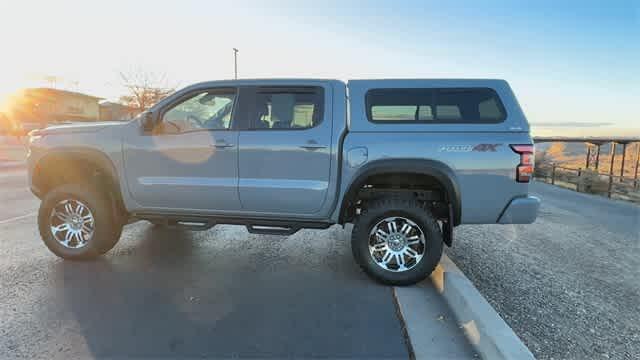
column 2, row 222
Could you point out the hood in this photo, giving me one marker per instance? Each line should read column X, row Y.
column 77, row 128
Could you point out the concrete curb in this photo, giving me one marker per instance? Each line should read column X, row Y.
column 487, row 332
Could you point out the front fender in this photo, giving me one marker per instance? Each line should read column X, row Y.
column 93, row 156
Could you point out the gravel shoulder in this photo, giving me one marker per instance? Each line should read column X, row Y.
column 568, row 284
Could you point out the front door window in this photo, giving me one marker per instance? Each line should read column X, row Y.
column 207, row 110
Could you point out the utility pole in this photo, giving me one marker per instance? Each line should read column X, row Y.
column 235, row 63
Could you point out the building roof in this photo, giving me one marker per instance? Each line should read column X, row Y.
column 51, row 91
column 113, row 104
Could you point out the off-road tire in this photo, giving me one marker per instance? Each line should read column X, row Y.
column 106, row 229
column 412, row 210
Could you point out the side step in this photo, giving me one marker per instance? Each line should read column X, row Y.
column 254, row 226
column 272, row 230
column 280, row 227
column 187, row 224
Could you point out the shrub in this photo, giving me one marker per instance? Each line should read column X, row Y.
column 591, row 182
column 542, row 165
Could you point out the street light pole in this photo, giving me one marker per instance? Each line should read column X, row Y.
column 235, row 62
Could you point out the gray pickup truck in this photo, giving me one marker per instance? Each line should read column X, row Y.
column 405, row 161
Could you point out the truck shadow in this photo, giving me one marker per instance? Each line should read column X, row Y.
column 133, row 305
column 168, row 294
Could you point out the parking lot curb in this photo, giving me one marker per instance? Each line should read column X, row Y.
column 487, row 332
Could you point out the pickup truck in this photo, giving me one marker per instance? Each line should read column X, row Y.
column 405, row 161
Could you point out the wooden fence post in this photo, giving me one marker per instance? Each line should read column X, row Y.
column 635, row 175
column 579, row 179
column 588, row 160
column 624, row 155
column 613, row 160
column 553, row 174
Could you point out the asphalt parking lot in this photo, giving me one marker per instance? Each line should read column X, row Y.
column 567, row 285
column 223, row 293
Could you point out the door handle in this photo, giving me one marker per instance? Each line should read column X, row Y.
column 222, row 144
column 312, row 145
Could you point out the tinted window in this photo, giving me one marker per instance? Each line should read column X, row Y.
column 469, row 105
column 400, row 104
column 205, row 110
column 291, row 108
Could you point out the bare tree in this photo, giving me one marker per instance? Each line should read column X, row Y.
column 145, row 89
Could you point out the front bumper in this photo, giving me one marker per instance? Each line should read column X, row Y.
column 521, row 210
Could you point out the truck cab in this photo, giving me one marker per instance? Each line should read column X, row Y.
column 275, row 155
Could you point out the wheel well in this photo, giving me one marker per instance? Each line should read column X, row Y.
column 424, row 187
column 60, row 169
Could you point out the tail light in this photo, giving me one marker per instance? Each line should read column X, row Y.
column 524, row 170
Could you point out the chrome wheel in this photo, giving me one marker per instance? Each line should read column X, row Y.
column 72, row 223
column 396, row 244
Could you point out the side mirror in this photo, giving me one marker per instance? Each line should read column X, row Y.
column 148, row 122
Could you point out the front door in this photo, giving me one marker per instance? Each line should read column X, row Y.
column 190, row 161
column 284, row 160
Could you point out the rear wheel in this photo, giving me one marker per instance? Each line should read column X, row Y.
column 76, row 222
column 396, row 241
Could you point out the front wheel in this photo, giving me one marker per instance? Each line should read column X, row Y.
column 76, row 222
column 396, row 241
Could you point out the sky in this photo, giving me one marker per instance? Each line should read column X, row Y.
column 574, row 65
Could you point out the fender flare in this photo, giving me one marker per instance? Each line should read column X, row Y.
column 101, row 160
column 437, row 169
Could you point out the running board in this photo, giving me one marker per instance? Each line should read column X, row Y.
column 192, row 225
column 254, row 226
column 272, row 230
column 187, row 224
column 281, row 227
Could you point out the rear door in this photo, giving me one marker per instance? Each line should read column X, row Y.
column 284, row 155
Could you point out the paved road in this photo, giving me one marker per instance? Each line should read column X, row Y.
column 219, row 293
column 569, row 285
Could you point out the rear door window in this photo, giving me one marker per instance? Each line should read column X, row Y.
column 443, row 105
column 287, row 108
